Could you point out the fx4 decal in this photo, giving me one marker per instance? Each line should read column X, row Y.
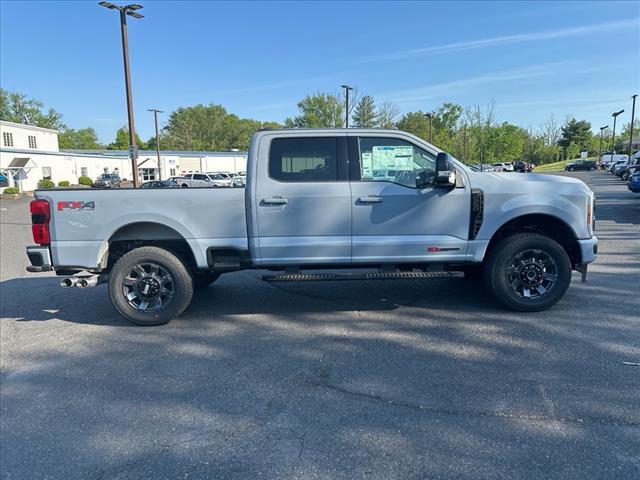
column 76, row 206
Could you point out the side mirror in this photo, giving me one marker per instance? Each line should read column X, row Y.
column 445, row 171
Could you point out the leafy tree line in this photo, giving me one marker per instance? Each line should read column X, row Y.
column 471, row 134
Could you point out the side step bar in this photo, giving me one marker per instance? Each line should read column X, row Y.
column 319, row 277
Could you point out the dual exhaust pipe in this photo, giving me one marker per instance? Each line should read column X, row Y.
column 83, row 282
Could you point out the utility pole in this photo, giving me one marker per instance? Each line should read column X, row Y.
column 128, row 10
column 633, row 114
column 155, row 119
column 347, row 89
column 613, row 135
column 600, row 148
column 429, row 115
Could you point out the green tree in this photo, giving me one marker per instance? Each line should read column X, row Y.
column 16, row 107
column 320, row 110
column 507, row 143
column 208, row 127
column 364, row 115
column 122, row 140
column 576, row 132
column 415, row 123
column 81, row 139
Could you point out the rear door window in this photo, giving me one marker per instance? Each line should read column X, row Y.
column 299, row 159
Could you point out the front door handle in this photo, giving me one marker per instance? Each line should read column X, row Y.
column 369, row 199
column 274, row 201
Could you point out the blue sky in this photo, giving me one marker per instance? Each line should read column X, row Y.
column 534, row 59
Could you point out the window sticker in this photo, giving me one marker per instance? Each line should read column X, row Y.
column 392, row 158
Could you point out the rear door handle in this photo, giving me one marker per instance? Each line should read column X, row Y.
column 369, row 199
column 275, row 201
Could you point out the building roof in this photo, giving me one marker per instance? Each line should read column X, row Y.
column 28, row 127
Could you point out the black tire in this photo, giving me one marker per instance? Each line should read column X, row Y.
column 498, row 271
column 184, row 185
column 204, row 279
column 180, row 290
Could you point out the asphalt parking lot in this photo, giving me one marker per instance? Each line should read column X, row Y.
column 411, row 379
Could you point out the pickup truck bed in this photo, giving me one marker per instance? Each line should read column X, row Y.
column 85, row 220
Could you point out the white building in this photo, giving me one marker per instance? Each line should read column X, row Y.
column 29, row 154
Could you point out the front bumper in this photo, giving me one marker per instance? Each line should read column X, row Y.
column 588, row 249
column 40, row 259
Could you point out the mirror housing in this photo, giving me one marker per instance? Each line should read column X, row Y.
column 445, row 171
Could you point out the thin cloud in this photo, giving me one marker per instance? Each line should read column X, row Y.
column 503, row 40
column 524, row 73
column 287, row 83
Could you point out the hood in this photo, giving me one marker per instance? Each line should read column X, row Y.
column 528, row 182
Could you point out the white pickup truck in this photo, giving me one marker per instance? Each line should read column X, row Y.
column 360, row 203
column 203, row 180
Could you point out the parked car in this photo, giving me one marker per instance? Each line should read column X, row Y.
column 608, row 159
column 225, row 177
column 306, row 209
column 610, row 167
column 4, row 181
column 200, row 180
column 160, row 184
column 634, row 182
column 238, row 181
column 504, row 167
column 630, row 170
column 523, row 167
column 619, row 168
column 107, row 180
column 581, row 165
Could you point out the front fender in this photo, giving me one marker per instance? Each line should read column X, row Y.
column 567, row 209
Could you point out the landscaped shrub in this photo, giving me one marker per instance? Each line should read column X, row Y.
column 85, row 181
column 46, row 184
column 9, row 190
column 64, row 183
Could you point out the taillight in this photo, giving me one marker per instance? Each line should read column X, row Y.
column 40, row 217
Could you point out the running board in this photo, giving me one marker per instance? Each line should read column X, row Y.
column 320, row 277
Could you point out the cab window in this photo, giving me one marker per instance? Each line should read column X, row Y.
column 298, row 159
column 397, row 161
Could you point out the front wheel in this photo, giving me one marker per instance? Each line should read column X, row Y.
column 528, row 272
column 150, row 286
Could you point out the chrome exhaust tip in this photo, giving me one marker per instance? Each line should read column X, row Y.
column 89, row 282
column 68, row 282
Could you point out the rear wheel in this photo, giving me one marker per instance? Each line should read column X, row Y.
column 528, row 272
column 150, row 286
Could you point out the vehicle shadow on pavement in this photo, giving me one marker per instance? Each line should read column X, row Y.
column 245, row 293
column 280, row 380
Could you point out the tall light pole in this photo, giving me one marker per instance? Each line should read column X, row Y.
column 429, row 115
column 613, row 135
column 633, row 114
column 347, row 89
column 155, row 119
column 129, row 10
column 464, row 144
column 600, row 148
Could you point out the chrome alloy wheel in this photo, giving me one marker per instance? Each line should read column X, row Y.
column 532, row 273
column 148, row 287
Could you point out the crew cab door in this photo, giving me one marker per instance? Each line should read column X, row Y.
column 393, row 219
column 302, row 200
